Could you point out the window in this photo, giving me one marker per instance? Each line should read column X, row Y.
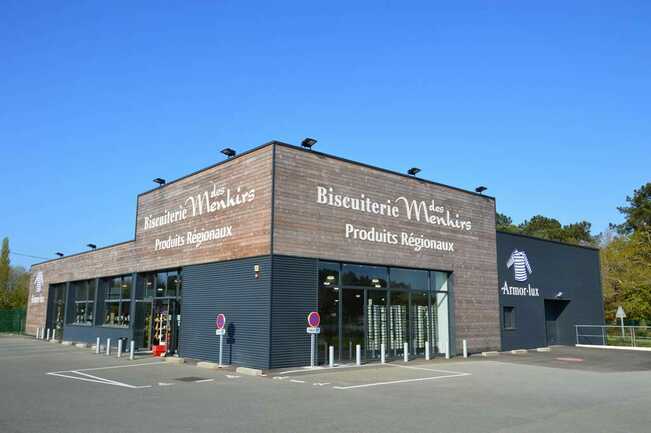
column 84, row 296
column 328, row 274
column 508, row 317
column 408, row 279
column 117, row 301
column 364, row 276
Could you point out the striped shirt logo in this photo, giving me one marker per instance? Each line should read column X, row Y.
column 520, row 264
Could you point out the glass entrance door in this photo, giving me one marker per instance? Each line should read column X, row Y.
column 398, row 323
column 376, row 328
column 352, row 323
column 166, row 320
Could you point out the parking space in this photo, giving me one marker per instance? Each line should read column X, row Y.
column 58, row 388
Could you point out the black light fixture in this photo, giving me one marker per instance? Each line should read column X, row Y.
column 480, row 189
column 228, row 152
column 59, row 254
column 159, row 181
column 91, row 246
column 413, row 171
column 308, row 143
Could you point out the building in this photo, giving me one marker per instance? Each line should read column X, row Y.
column 269, row 235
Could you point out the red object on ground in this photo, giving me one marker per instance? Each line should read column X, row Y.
column 159, row 349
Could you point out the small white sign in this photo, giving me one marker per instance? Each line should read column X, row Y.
column 620, row 313
column 311, row 330
column 220, row 332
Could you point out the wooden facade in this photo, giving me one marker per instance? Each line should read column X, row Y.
column 277, row 206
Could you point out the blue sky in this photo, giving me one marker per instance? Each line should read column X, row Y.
column 547, row 104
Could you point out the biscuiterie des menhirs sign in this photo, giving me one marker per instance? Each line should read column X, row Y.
column 418, row 211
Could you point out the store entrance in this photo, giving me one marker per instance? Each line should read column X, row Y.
column 166, row 318
column 553, row 310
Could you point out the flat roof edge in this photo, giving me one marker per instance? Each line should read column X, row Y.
column 83, row 252
column 548, row 240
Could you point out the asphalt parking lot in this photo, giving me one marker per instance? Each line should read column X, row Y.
column 54, row 388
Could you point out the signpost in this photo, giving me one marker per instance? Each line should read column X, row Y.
column 313, row 322
column 220, row 323
column 621, row 315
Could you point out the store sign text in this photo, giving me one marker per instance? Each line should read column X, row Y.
column 519, row 291
column 415, row 241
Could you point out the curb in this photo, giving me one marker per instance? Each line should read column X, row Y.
column 248, row 371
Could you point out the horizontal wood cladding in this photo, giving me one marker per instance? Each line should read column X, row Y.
column 248, row 223
column 306, row 228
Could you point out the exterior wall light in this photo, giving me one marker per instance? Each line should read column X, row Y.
column 308, row 143
column 480, row 189
column 91, row 246
column 413, row 171
column 228, row 152
column 59, row 254
column 159, row 181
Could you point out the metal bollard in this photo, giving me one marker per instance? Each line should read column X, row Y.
column 331, row 356
column 447, row 350
column 108, row 346
column 427, row 354
column 358, row 355
column 465, row 349
column 38, row 331
column 382, row 353
column 119, row 348
column 54, row 334
column 405, row 352
column 48, row 334
column 97, row 346
column 132, row 349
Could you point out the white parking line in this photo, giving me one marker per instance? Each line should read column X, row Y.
column 392, row 382
column 70, row 374
column 204, row 380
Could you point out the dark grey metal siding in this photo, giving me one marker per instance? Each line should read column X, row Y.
column 89, row 334
column 230, row 288
column 572, row 270
column 294, row 295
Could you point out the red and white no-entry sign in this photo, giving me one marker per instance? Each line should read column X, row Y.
column 314, row 319
column 221, row 321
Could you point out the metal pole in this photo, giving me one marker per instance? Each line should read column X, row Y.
column 119, row 348
column 97, row 346
column 405, row 352
column 465, row 349
column 48, row 334
column 221, row 348
column 633, row 335
column 382, row 353
column 331, row 356
column 54, row 334
column 358, row 355
column 621, row 320
column 108, row 346
column 603, row 334
column 427, row 354
column 312, row 344
column 447, row 349
column 132, row 349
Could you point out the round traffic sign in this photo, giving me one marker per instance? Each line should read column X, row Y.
column 313, row 319
column 221, row 321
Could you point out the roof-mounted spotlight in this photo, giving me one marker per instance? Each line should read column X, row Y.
column 229, row 152
column 480, row 189
column 308, row 143
column 59, row 254
column 413, row 171
column 159, row 181
column 91, row 246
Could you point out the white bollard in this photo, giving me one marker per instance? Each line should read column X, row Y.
column 405, row 352
column 38, row 331
column 465, row 349
column 331, row 356
column 447, row 350
column 48, row 334
column 97, row 346
column 427, row 354
column 132, row 349
column 358, row 355
column 108, row 346
column 54, row 334
column 119, row 348
column 383, row 358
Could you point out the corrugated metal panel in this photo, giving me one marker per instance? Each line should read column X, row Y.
column 230, row 288
column 294, row 295
column 89, row 334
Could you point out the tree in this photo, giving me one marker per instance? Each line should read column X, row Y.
column 637, row 213
column 4, row 271
column 505, row 223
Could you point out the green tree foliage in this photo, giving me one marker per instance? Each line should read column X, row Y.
column 5, row 268
column 548, row 228
column 626, row 259
column 14, row 281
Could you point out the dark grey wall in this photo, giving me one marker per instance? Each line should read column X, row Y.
column 293, row 296
column 572, row 270
column 89, row 334
column 230, row 288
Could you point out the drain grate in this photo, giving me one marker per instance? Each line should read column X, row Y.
column 189, row 379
